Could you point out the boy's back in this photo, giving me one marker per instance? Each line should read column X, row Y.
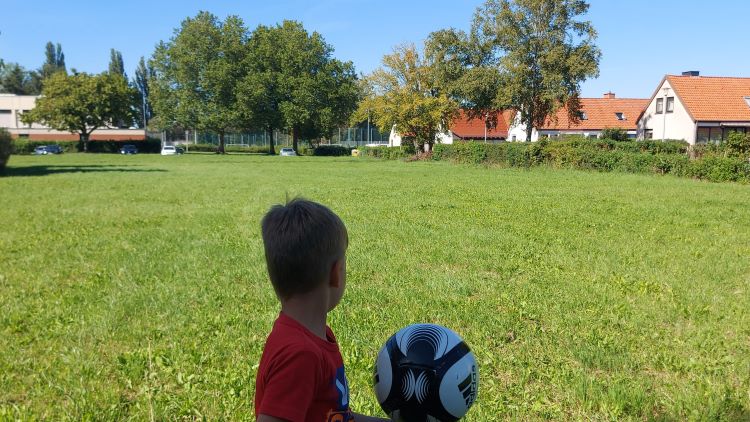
column 301, row 376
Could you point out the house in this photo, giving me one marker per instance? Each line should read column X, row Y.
column 464, row 128
column 697, row 109
column 595, row 115
column 12, row 106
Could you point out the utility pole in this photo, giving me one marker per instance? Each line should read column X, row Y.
column 665, row 90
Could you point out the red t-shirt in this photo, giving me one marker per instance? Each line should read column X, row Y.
column 301, row 376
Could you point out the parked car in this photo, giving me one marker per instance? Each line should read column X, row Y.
column 169, row 150
column 128, row 149
column 287, row 152
column 48, row 149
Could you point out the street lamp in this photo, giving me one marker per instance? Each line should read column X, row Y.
column 665, row 90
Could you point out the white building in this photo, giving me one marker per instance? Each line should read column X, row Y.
column 696, row 109
column 12, row 106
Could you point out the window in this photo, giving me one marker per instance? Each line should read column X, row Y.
column 582, row 115
column 703, row 135
column 649, row 134
column 4, row 111
column 620, row 116
column 659, row 105
column 670, row 104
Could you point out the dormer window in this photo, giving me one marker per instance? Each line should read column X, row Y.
column 620, row 116
column 747, row 100
column 582, row 115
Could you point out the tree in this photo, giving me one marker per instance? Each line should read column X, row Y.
column 14, row 79
column 544, row 54
column 116, row 64
column 81, row 103
column 464, row 67
column 54, row 60
column 196, row 75
column 294, row 83
column 143, row 103
column 403, row 93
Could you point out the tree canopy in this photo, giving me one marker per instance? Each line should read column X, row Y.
column 196, row 73
column 81, row 103
column 141, row 83
column 294, row 83
column 543, row 51
column 404, row 93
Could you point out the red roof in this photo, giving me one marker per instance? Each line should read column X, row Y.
column 601, row 113
column 710, row 98
column 465, row 127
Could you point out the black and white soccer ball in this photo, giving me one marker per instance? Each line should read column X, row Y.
column 426, row 372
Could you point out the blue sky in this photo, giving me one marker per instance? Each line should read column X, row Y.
column 641, row 40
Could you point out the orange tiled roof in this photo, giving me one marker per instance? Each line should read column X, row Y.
column 466, row 128
column 601, row 114
column 709, row 98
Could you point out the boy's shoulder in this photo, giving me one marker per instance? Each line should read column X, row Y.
column 291, row 336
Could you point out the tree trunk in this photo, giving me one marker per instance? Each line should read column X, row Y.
column 220, row 150
column 84, row 139
column 295, row 135
column 271, row 147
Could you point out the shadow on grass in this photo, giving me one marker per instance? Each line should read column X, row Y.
column 45, row 170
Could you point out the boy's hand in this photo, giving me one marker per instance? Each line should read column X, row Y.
column 363, row 418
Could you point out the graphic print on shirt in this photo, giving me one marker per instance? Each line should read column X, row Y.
column 342, row 413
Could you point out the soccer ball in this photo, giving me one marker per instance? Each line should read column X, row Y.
column 425, row 373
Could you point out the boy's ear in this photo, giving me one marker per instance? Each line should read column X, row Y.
column 334, row 278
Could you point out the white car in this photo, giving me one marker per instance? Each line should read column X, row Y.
column 287, row 152
column 169, row 150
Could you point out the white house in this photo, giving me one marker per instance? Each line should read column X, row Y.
column 12, row 106
column 697, row 109
column 596, row 114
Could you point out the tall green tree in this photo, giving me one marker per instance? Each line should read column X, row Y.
column 116, row 64
column 143, row 103
column 403, row 93
column 294, row 83
column 544, row 52
column 14, row 79
column 81, row 103
column 54, row 60
column 196, row 74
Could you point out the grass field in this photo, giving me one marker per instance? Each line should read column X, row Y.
column 134, row 288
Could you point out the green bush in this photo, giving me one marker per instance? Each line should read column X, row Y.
column 6, row 148
column 26, row 147
column 331, row 151
column 737, row 145
column 390, row 153
column 615, row 134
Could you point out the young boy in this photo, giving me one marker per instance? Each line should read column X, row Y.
column 301, row 376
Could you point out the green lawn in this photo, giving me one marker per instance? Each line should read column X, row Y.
column 135, row 287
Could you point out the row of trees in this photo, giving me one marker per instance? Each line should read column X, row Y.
column 15, row 79
column 525, row 55
column 530, row 56
column 217, row 76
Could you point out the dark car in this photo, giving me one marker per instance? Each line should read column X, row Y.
column 48, row 149
column 128, row 149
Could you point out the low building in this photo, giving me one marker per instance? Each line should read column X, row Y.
column 697, row 109
column 595, row 115
column 12, row 106
column 465, row 128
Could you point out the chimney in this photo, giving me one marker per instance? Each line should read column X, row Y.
column 691, row 73
column 610, row 95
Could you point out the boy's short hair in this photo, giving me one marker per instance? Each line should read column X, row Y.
column 302, row 240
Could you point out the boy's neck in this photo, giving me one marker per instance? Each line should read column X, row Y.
column 310, row 313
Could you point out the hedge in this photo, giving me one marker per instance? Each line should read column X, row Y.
column 390, row 153
column 26, row 147
column 597, row 155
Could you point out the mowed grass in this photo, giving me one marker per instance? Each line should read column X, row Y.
column 134, row 288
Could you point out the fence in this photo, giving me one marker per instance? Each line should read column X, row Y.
column 348, row 137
